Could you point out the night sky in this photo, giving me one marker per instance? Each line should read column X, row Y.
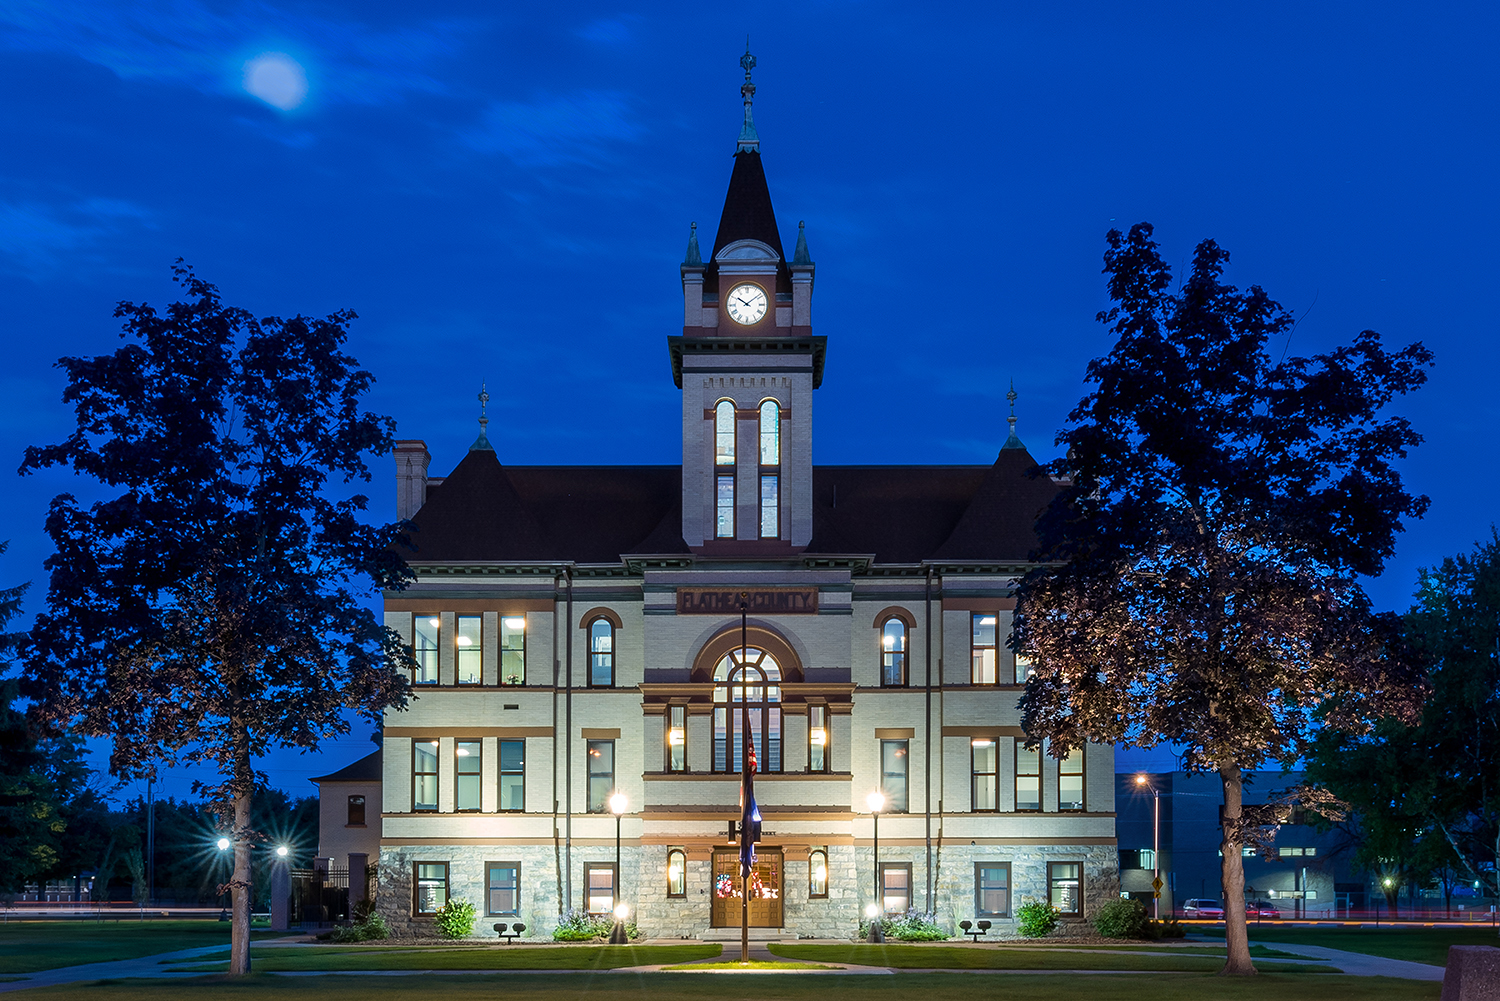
column 503, row 192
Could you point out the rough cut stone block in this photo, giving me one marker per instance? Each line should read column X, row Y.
column 1473, row 973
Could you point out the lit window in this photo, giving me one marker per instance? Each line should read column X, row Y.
column 676, row 873
column 424, row 775
column 1028, row 777
column 356, row 811
column 992, row 889
column 724, row 507
column 724, row 427
column 984, row 796
column 893, row 762
column 817, row 873
column 424, row 649
column 1070, row 781
column 1023, row 669
column 431, row 885
column 724, row 433
column 895, row 887
column 817, row 738
column 770, row 433
column 466, row 770
column 504, row 888
column 601, row 759
column 1065, row 886
column 983, row 672
column 601, row 653
column 512, row 649
column 677, row 738
column 512, row 776
column 770, row 507
column 599, row 883
column 893, row 652
column 468, row 650
column 763, row 703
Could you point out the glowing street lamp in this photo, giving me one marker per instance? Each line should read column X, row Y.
column 281, row 851
column 876, row 802
column 223, row 844
column 1143, row 780
column 618, row 804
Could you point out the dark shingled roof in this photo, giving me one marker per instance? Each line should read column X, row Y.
column 366, row 769
column 747, row 207
column 596, row 514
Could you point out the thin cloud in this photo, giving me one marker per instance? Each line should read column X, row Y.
column 37, row 239
column 550, row 131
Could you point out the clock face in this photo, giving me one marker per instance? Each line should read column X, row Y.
column 747, row 304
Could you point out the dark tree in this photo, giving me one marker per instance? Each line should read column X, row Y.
column 211, row 605
column 1427, row 796
column 1221, row 499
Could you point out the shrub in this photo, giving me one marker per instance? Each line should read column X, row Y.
column 1169, row 928
column 1036, row 918
column 914, row 927
column 579, row 926
column 455, row 919
column 371, row 926
column 1121, row 918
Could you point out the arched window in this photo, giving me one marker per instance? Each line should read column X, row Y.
column 676, row 873
column 770, row 470
column 724, row 470
column 770, row 433
column 763, row 703
column 724, row 433
column 893, row 652
column 817, row 873
column 601, row 653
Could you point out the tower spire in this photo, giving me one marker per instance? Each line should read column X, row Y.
column 749, row 139
column 482, row 443
column 1012, row 441
column 694, row 256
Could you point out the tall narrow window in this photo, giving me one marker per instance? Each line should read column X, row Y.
column 512, row 649
column 1065, row 886
column 770, row 506
column 431, row 884
column 676, row 873
column 677, row 738
column 424, row 648
column 984, row 648
column 424, row 774
column 817, row 738
column 503, row 887
column 893, row 652
column 601, row 653
column 599, row 883
column 1070, row 781
column 724, row 427
column 817, row 873
column 984, row 796
column 512, row 776
column 356, row 811
column 1028, row 777
column 466, row 775
column 770, row 433
column 893, row 762
column 992, row 889
column 601, row 758
column 895, row 887
column 770, row 470
column 468, row 653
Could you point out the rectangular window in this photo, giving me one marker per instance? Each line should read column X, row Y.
column 431, row 886
column 601, row 758
column 1028, row 777
column 770, row 511
column 424, row 648
column 895, row 887
column 1065, row 886
column 817, row 738
column 1023, row 669
column 512, row 649
column 503, row 882
column 512, row 776
column 724, row 506
column 1070, row 781
column 893, row 760
column 984, row 649
column 992, row 889
column 984, row 795
column 466, row 775
column 356, row 811
column 424, row 774
column 1138, row 858
column 599, row 887
column 468, row 657
column 677, row 738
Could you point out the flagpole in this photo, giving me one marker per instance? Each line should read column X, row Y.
column 744, row 779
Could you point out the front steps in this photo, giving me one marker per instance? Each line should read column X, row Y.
column 733, row 935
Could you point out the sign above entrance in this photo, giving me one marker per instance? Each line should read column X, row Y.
column 764, row 601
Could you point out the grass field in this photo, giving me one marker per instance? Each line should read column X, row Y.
column 677, row 987
column 918, row 957
column 510, row 957
column 1420, row 945
column 29, row 946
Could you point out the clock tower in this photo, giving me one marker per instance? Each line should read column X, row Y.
column 747, row 363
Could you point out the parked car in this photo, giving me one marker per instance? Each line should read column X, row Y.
column 1260, row 909
column 1201, row 907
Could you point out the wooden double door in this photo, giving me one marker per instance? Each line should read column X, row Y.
column 765, row 889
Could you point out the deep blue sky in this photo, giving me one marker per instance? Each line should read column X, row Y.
column 503, row 192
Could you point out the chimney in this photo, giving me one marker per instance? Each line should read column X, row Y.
column 411, row 477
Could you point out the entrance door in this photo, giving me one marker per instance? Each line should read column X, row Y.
column 765, row 889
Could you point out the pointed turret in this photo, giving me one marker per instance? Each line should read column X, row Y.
column 694, row 256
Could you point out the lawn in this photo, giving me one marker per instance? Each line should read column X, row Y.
column 29, row 946
column 505, row 957
column 963, row 958
column 1420, row 945
column 675, row 987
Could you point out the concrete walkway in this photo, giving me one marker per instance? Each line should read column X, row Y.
column 145, row 966
column 1357, row 963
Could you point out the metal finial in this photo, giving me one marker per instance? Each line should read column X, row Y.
column 482, row 443
column 694, row 256
column 1012, row 441
column 749, row 138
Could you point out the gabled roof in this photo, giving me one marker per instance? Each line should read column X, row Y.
column 1000, row 520
column 366, row 769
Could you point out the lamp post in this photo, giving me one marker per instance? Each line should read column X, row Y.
column 223, row 844
column 876, row 802
column 618, row 805
column 1143, row 780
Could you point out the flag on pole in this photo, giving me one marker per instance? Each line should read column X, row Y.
column 749, row 812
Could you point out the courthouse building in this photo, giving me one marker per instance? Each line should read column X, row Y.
column 574, row 628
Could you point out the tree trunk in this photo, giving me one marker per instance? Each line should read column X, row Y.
column 241, row 884
column 1236, row 935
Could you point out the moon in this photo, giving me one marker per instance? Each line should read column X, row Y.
column 277, row 79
